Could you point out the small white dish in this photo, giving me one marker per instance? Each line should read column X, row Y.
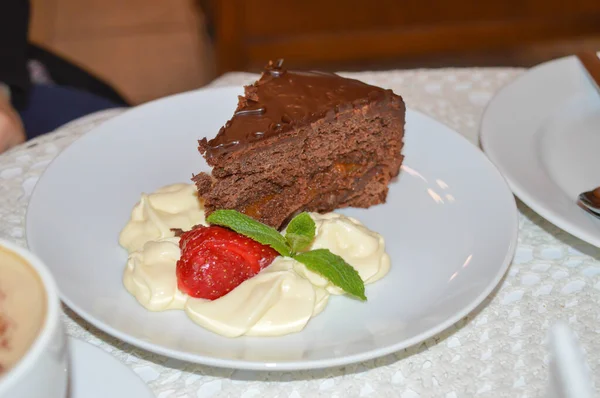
column 96, row 374
column 542, row 131
column 42, row 371
column 450, row 225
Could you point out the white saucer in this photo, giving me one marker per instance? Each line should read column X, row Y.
column 542, row 131
column 96, row 374
column 450, row 226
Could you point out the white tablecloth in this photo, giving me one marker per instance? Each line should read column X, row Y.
column 497, row 351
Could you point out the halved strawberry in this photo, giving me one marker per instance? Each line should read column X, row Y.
column 214, row 260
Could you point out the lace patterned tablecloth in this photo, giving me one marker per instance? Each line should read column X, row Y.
column 497, row 351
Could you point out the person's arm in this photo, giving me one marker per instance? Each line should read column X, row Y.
column 11, row 126
column 14, row 76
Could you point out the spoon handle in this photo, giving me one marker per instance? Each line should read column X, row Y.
column 594, row 197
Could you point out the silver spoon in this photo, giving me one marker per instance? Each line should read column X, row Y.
column 590, row 201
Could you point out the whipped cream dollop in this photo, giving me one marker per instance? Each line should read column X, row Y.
column 347, row 237
column 150, row 275
column 279, row 300
column 153, row 217
column 275, row 302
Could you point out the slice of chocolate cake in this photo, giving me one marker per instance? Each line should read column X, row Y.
column 304, row 141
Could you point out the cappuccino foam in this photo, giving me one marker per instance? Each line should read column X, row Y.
column 22, row 307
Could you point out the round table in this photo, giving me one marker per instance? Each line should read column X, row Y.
column 498, row 350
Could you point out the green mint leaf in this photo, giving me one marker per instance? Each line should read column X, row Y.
column 247, row 226
column 300, row 232
column 334, row 268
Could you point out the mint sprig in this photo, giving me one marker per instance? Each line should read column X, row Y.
column 299, row 235
column 300, row 232
column 244, row 225
column 334, row 268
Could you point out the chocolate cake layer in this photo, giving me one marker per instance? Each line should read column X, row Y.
column 325, row 142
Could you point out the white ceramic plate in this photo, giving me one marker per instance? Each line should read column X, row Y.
column 450, row 225
column 543, row 132
column 95, row 374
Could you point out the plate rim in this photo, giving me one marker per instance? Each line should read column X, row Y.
column 519, row 189
column 295, row 365
column 77, row 349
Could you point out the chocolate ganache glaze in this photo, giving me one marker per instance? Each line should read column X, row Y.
column 287, row 98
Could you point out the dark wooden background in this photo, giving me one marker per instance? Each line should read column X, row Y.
column 381, row 34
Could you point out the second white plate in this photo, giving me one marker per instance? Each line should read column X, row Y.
column 543, row 132
column 450, row 225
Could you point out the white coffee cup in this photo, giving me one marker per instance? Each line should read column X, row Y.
column 42, row 372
